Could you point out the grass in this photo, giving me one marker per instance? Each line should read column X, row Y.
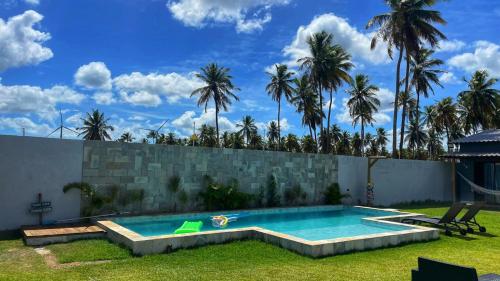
column 253, row 260
column 79, row 251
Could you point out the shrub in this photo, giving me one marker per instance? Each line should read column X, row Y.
column 217, row 196
column 273, row 198
column 174, row 184
column 333, row 195
column 260, row 199
column 295, row 195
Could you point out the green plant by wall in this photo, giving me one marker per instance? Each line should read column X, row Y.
column 260, row 199
column 94, row 201
column 217, row 196
column 333, row 196
column 295, row 195
column 174, row 185
column 273, row 198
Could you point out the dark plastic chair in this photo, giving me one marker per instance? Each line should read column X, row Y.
column 469, row 219
column 446, row 221
column 432, row 270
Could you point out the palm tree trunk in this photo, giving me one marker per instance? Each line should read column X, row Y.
column 320, row 106
column 403, row 113
column 362, row 137
column 418, row 119
column 328, row 124
column 396, row 97
column 310, row 132
column 279, row 129
column 217, row 122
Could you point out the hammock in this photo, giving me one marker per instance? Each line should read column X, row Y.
column 479, row 188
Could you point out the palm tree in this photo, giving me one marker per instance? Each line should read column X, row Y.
column 226, row 140
column 433, row 143
column 279, row 86
column 344, row 144
column 273, row 133
column 318, row 63
column 126, row 137
column 480, row 102
column 208, row 136
column 237, row 140
column 338, row 68
column 406, row 101
column 381, row 139
column 256, row 140
column 362, row 102
column 406, row 27
column 446, row 116
column 247, row 127
column 171, row 139
column 357, row 145
column 292, row 143
column 95, row 126
column 415, row 136
column 218, row 87
column 306, row 102
column 309, row 144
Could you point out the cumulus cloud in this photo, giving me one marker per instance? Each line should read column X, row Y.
column 31, row 99
column 104, row 98
column 141, row 98
column 355, row 42
column 448, row 78
column 185, row 122
column 20, row 44
column 284, row 125
column 248, row 16
column 32, row 2
column 31, row 128
column 386, row 98
column 450, row 46
column 485, row 56
column 173, row 86
column 94, row 75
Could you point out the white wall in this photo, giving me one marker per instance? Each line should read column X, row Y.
column 32, row 165
column 396, row 181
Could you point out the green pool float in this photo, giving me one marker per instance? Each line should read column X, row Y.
column 189, row 227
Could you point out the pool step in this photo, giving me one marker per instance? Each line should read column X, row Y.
column 43, row 235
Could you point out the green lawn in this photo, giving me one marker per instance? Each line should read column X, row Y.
column 251, row 260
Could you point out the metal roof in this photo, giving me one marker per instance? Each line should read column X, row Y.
column 471, row 155
column 484, row 136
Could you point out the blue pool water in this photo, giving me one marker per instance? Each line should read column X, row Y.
column 307, row 224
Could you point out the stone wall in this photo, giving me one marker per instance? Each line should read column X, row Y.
column 132, row 166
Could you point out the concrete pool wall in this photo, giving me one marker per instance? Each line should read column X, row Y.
column 142, row 245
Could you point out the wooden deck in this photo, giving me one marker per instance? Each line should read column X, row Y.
column 52, row 231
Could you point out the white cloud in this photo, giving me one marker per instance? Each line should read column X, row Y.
column 31, row 128
column 31, row 99
column 248, row 15
column 20, row 44
column 32, row 2
column 450, row 46
column 142, row 98
column 185, row 122
column 354, row 41
column 172, row 85
column 448, row 78
column 284, row 125
column 75, row 120
column 386, row 98
column 486, row 56
column 94, row 75
column 326, row 105
column 105, row 98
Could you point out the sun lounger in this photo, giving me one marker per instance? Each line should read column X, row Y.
column 431, row 270
column 469, row 219
column 446, row 221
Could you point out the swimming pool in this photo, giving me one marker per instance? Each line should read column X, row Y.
column 309, row 224
column 313, row 231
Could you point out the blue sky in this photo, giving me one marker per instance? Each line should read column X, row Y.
column 135, row 59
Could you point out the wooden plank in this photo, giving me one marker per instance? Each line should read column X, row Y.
column 57, row 231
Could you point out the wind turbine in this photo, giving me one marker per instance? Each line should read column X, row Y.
column 61, row 127
column 156, row 132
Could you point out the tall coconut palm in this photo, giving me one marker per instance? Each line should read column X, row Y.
column 338, row 68
column 357, row 145
column 480, row 101
column 335, row 134
column 344, row 144
column 218, row 87
column 415, row 136
column 362, row 103
column 446, row 116
column 424, row 74
column 433, row 143
column 317, row 65
column 208, row 136
column 280, row 85
column 381, row 139
column 247, row 126
column 406, row 101
column 272, row 133
column 126, row 137
column 406, row 27
column 306, row 102
column 95, row 126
